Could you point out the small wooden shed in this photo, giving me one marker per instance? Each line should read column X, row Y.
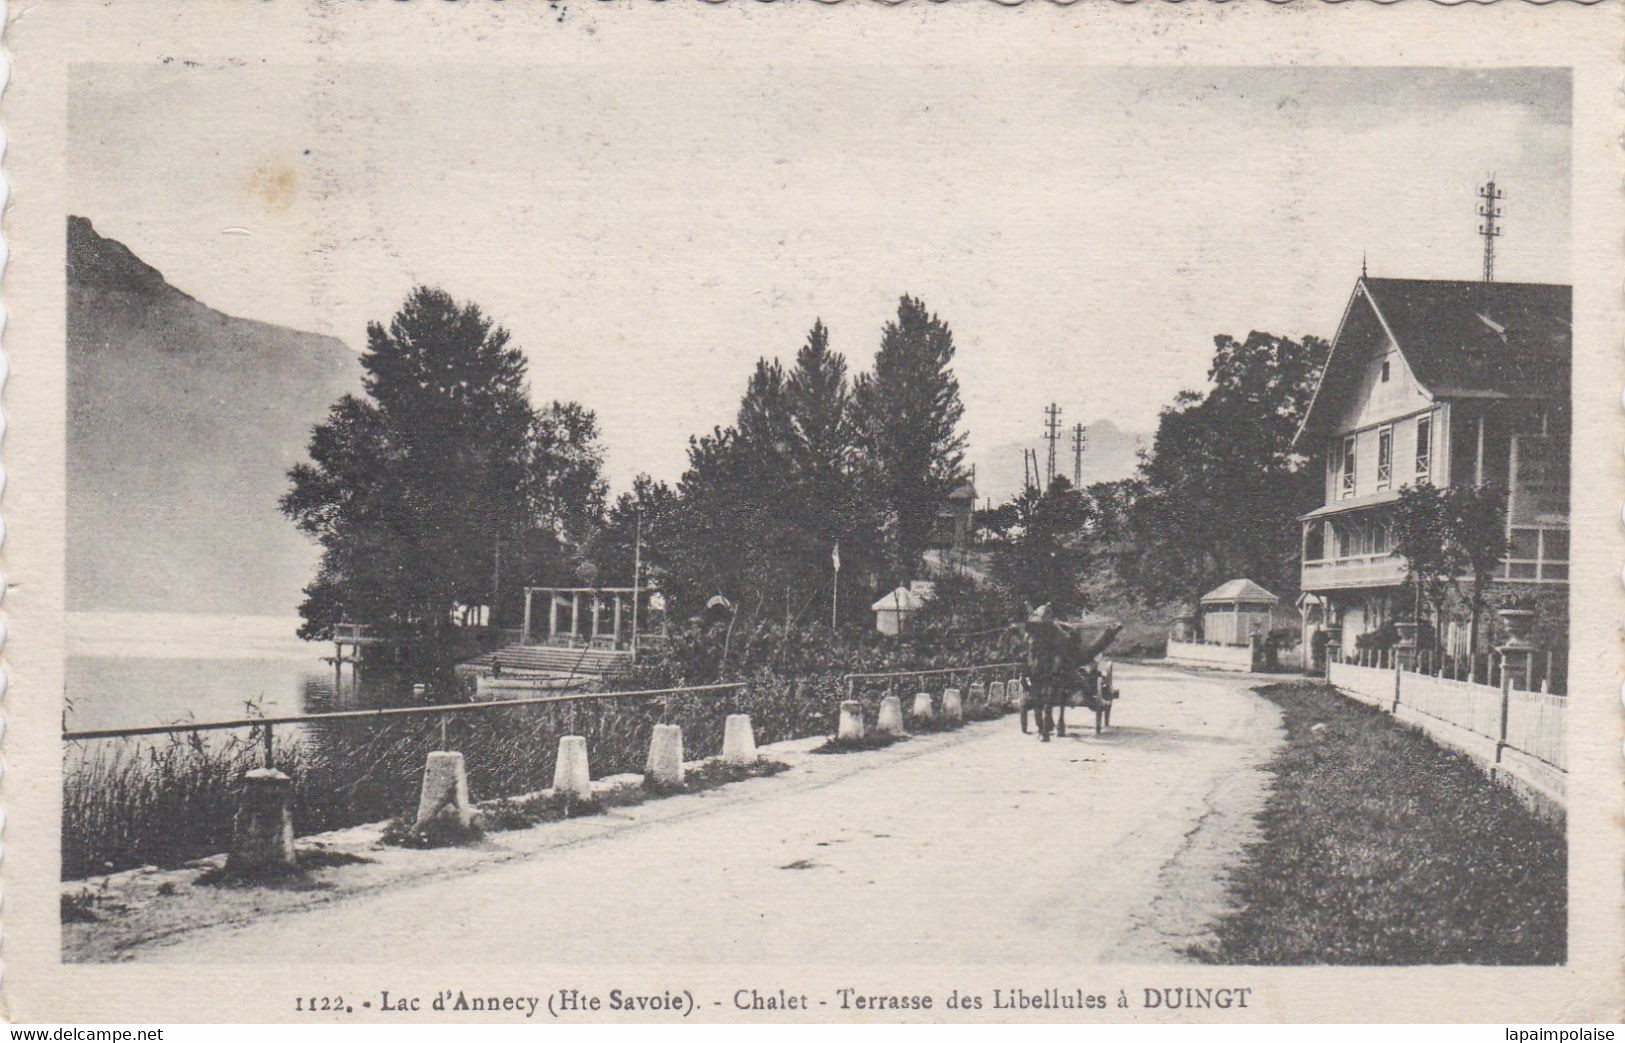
column 1232, row 612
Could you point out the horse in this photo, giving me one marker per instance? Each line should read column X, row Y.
column 1059, row 663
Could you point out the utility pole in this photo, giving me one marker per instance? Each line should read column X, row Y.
column 1490, row 228
column 1079, row 440
column 1052, row 433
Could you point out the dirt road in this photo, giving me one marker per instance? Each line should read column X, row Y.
column 983, row 845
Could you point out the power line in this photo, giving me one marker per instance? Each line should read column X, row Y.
column 1490, row 229
column 1079, row 440
column 1052, row 429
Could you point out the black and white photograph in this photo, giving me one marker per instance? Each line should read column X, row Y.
column 1101, row 527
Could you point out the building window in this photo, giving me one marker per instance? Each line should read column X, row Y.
column 1385, row 457
column 1424, row 448
column 1385, row 371
column 1379, row 538
column 1538, row 555
column 1347, row 486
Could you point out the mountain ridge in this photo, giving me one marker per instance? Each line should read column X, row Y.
column 182, row 422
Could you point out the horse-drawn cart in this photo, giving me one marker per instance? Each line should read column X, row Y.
column 1064, row 668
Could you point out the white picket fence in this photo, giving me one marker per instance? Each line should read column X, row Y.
column 1509, row 730
column 1536, row 726
column 1473, row 707
column 1203, row 653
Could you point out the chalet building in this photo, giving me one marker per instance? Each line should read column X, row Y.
column 952, row 527
column 1439, row 382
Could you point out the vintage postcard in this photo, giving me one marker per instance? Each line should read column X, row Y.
column 573, row 512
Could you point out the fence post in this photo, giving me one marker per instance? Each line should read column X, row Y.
column 1398, row 672
column 1506, row 705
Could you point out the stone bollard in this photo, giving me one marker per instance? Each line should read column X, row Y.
column 445, row 791
column 738, row 741
column 952, row 709
column 891, row 716
column 922, row 706
column 995, row 694
column 665, row 757
column 1013, row 691
column 851, row 728
column 976, row 694
column 571, row 775
column 262, row 832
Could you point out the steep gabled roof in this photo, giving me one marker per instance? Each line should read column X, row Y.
column 909, row 597
column 1244, row 591
column 1465, row 339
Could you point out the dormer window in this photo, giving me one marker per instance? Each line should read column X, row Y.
column 1385, row 371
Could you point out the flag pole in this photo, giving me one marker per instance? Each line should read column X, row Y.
column 637, row 569
column 835, row 588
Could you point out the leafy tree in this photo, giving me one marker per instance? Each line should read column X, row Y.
column 997, row 523
column 736, row 527
column 764, row 501
column 413, row 489
column 1421, row 534
column 1045, row 562
column 1219, row 492
column 650, row 510
column 908, row 414
column 1476, row 528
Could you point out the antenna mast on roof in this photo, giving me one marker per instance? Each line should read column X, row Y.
column 1490, row 210
column 1052, row 432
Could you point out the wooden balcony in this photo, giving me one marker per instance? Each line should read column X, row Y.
column 1363, row 570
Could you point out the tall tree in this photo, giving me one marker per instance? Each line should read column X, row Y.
column 827, row 497
column 819, row 408
column 764, row 501
column 1222, row 486
column 1476, row 516
column 636, row 534
column 908, row 414
column 413, row 489
column 734, row 521
column 1045, row 561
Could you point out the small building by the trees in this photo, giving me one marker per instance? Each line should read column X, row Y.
column 892, row 610
column 1233, row 612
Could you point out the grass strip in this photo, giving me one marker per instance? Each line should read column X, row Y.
column 1380, row 847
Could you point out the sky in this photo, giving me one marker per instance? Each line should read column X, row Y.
column 1085, row 232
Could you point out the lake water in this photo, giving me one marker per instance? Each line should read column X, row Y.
column 126, row 669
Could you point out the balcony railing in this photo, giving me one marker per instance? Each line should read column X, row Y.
column 1360, row 570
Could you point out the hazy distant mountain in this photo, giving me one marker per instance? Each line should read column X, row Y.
column 1109, row 453
column 182, row 424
